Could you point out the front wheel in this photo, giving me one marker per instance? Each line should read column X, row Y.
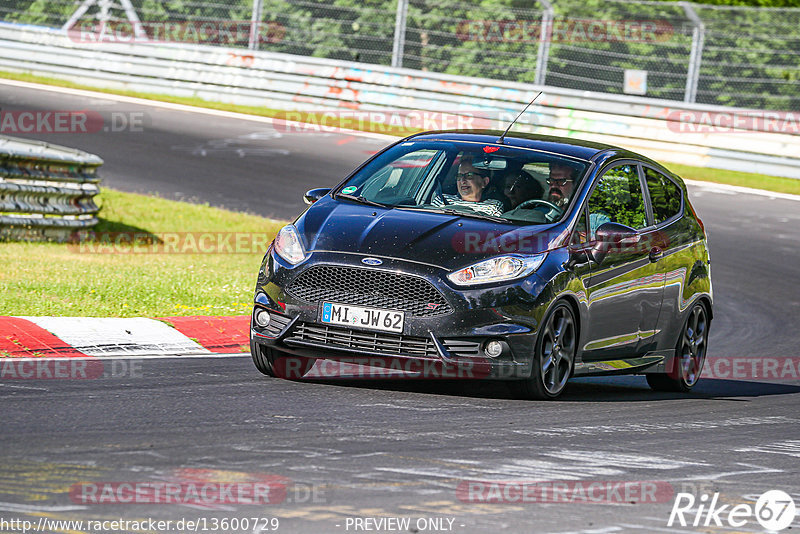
column 275, row 363
column 553, row 357
column 690, row 355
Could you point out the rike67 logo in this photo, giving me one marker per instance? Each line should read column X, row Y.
column 774, row 510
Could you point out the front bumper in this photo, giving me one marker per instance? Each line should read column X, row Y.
column 507, row 314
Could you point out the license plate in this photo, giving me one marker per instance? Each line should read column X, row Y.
column 372, row 318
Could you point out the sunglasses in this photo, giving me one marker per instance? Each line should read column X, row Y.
column 558, row 181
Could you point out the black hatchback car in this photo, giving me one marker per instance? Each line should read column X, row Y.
column 525, row 258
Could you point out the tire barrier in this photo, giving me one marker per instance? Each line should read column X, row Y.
column 46, row 191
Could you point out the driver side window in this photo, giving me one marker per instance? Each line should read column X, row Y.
column 618, row 198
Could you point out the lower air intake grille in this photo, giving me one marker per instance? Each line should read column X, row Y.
column 377, row 342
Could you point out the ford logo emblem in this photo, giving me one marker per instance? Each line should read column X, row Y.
column 371, row 261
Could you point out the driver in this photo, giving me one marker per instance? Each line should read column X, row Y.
column 561, row 182
column 471, row 183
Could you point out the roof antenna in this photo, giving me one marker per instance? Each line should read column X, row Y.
column 500, row 141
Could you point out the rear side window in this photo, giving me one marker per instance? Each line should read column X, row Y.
column 665, row 195
column 618, row 198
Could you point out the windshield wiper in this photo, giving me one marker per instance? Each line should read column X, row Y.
column 362, row 200
column 476, row 214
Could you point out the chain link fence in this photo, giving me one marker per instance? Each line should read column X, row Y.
column 736, row 56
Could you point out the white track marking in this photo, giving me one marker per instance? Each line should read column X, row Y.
column 601, row 530
column 754, row 469
column 118, row 337
column 25, row 508
column 791, row 448
column 7, row 385
column 591, row 430
column 725, row 189
column 613, row 459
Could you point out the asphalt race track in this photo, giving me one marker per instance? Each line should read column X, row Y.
column 368, row 449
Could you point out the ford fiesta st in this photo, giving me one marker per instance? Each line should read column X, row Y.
column 535, row 258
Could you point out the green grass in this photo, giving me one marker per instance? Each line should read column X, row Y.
column 102, row 279
column 744, row 179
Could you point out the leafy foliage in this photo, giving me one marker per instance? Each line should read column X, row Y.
column 619, row 196
column 749, row 57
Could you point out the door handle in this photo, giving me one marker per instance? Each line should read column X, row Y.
column 656, row 254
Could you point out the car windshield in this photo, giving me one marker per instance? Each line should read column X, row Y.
column 492, row 181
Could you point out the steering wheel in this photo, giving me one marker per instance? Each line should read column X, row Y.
column 554, row 212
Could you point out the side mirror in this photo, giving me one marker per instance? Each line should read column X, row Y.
column 313, row 195
column 612, row 236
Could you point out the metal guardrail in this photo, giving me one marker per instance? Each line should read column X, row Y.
column 46, row 191
column 663, row 130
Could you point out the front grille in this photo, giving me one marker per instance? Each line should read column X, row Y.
column 377, row 342
column 369, row 287
column 458, row 347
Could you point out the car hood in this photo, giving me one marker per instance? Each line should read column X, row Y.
column 446, row 241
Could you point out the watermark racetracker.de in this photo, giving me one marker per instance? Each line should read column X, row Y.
column 15, row 122
column 728, row 122
column 564, row 491
column 207, row 31
column 573, row 30
column 69, row 368
column 757, row 368
column 137, row 242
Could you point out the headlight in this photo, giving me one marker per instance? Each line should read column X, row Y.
column 497, row 269
column 288, row 245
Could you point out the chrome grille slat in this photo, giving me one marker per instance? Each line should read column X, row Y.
column 462, row 348
column 371, row 288
column 378, row 342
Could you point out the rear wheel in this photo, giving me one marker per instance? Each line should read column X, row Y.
column 553, row 358
column 690, row 355
column 275, row 363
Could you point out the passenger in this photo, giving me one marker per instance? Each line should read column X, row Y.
column 471, row 184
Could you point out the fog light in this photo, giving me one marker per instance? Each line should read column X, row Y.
column 262, row 318
column 493, row 349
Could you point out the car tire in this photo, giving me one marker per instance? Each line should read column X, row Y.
column 554, row 356
column 690, row 355
column 277, row 364
column 261, row 362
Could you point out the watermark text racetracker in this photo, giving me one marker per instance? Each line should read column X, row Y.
column 752, row 368
column 68, row 368
column 170, row 242
column 202, row 524
column 574, row 30
column 216, row 32
column 70, row 121
column 742, row 121
column 386, row 121
column 564, row 491
column 270, row 489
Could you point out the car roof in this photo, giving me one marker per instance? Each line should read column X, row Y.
column 576, row 148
